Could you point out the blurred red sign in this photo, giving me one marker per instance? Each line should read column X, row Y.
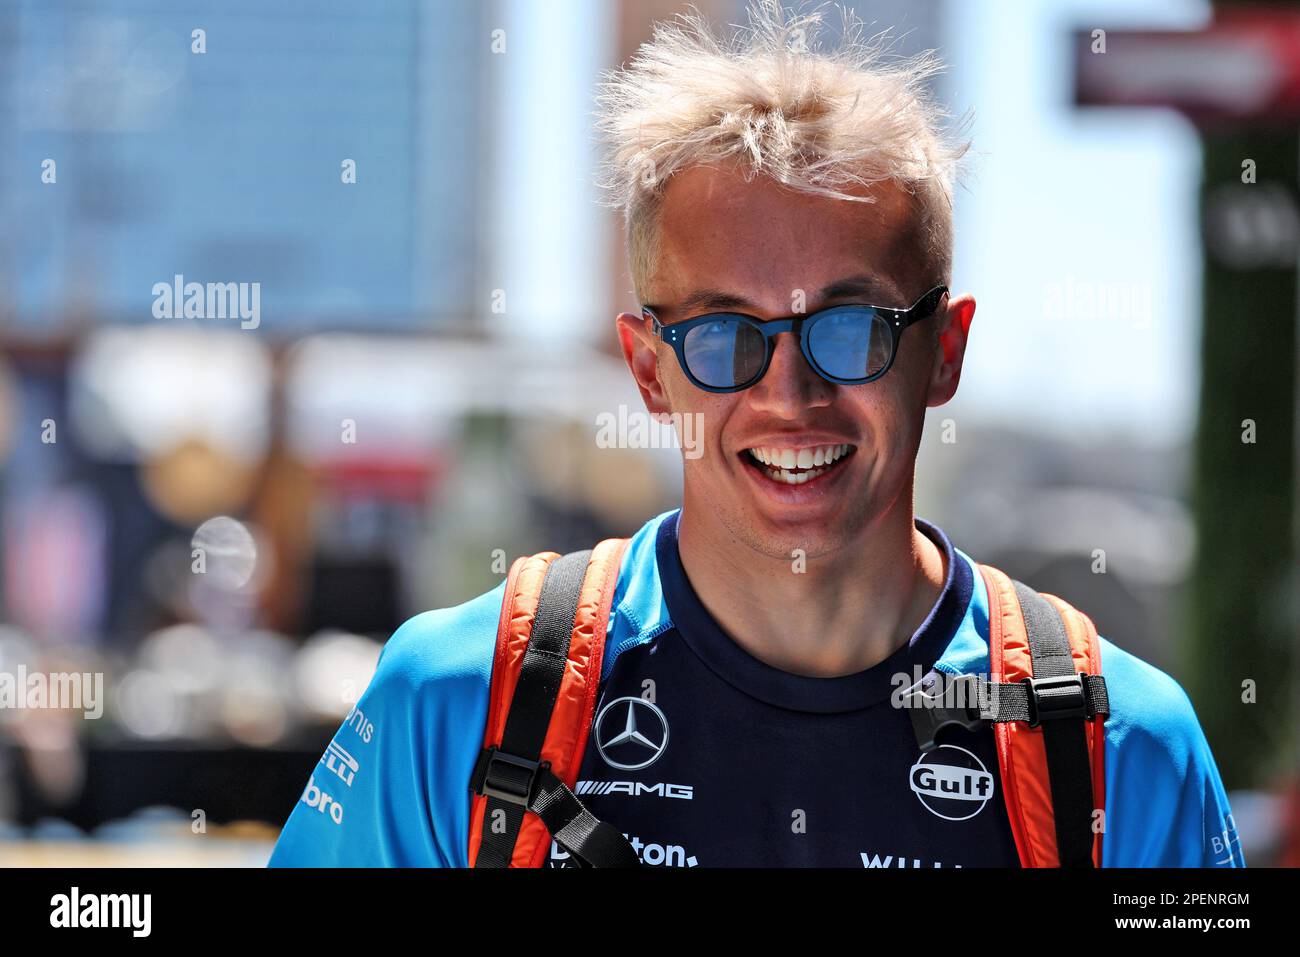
column 1243, row 66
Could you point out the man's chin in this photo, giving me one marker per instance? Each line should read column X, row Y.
column 792, row 545
column 799, row 525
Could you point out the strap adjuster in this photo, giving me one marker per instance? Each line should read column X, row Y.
column 1056, row 696
column 507, row 777
column 930, row 713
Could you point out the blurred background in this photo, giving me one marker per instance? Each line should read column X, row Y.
column 226, row 517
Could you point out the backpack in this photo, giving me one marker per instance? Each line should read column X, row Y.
column 1043, row 695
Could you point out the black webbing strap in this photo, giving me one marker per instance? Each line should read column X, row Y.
column 508, row 777
column 593, row 843
column 1058, row 696
column 1015, row 703
column 971, row 702
column 511, row 774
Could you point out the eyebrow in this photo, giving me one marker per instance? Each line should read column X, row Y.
column 716, row 299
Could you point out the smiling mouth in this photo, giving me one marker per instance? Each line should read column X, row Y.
column 797, row 466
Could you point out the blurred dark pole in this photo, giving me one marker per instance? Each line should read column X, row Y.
column 1238, row 79
column 1244, row 493
column 1243, row 486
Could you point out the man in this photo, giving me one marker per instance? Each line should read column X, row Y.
column 746, row 712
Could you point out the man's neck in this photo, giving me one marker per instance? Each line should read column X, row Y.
column 842, row 613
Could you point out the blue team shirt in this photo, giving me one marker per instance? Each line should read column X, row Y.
column 705, row 756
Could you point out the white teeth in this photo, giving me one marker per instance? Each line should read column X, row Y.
column 795, row 478
column 781, row 461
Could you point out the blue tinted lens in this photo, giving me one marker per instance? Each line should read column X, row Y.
column 724, row 353
column 850, row 342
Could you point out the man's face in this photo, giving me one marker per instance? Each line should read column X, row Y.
column 759, row 248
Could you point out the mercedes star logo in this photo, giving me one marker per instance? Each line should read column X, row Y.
column 631, row 733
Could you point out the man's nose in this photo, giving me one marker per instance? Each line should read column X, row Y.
column 790, row 384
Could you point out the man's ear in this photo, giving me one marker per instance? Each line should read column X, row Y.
column 640, row 352
column 954, row 333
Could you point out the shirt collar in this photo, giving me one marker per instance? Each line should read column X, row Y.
column 863, row 689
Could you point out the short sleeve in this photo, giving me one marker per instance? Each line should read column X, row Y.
column 392, row 786
column 1165, row 802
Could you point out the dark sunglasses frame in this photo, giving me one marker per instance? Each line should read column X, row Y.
column 896, row 320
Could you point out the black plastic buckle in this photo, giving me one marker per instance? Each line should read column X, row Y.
column 1056, row 696
column 507, row 777
column 930, row 717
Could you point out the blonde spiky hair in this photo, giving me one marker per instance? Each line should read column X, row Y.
column 771, row 99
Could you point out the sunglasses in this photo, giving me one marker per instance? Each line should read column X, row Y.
column 847, row 345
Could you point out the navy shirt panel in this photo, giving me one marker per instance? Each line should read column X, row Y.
column 706, row 756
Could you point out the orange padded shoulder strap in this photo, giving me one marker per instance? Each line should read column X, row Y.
column 1022, row 758
column 566, row 737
